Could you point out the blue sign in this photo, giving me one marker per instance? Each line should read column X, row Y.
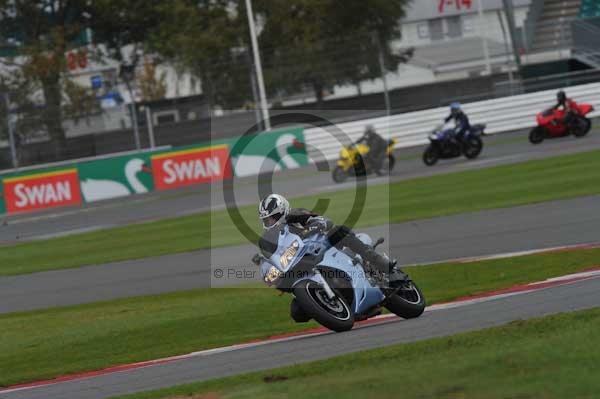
column 96, row 81
column 111, row 99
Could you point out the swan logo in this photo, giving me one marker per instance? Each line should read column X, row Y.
column 42, row 190
column 276, row 158
column 184, row 168
column 95, row 189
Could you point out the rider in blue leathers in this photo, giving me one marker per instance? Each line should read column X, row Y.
column 274, row 211
column 460, row 119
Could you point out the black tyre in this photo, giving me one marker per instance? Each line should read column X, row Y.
column 387, row 166
column 431, row 155
column 473, row 147
column 537, row 135
column 339, row 175
column 581, row 127
column 391, row 162
column 334, row 314
column 297, row 313
column 589, row 125
column 408, row 302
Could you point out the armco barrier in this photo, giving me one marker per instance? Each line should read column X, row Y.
column 410, row 129
column 121, row 176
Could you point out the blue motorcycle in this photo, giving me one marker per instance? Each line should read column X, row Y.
column 331, row 285
column 444, row 145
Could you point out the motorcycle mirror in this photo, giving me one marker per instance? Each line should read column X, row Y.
column 257, row 259
column 379, row 241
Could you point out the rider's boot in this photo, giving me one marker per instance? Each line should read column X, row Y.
column 386, row 266
column 342, row 235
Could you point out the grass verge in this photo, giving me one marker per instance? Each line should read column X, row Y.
column 44, row 344
column 503, row 186
column 537, row 358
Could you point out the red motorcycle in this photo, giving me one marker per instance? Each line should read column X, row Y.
column 551, row 123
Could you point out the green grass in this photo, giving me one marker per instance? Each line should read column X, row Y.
column 47, row 343
column 503, row 186
column 553, row 357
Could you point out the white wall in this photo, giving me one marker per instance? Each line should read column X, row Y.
column 420, row 10
column 410, row 129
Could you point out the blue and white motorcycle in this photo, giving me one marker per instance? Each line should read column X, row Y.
column 442, row 145
column 330, row 285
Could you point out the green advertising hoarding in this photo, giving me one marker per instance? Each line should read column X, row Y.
column 266, row 152
column 115, row 177
column 125, row 175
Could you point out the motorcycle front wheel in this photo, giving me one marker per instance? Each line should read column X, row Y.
column 537, row 135
column 339, row 175
column 431, row 155
column 473, row 147
column 335, row 313
column 408, row 302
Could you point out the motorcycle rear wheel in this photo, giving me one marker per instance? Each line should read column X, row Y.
column 407, row 302
column 391, row 162
column 431, row 155
column 334, row 314
column 537, row 135
column 387, row 166
column 473, row 147
column 582, row 127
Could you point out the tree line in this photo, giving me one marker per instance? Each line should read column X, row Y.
column 305, row 44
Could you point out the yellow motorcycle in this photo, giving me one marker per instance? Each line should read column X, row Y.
column 351, row 162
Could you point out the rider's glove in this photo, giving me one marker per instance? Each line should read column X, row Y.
column 317, row 224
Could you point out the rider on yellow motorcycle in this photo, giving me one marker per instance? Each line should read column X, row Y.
column 365, row 156
column 377, row 146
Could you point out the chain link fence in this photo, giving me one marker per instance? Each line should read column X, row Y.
column 325, row 77
column 99, row 120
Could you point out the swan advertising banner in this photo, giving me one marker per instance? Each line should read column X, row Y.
column 268, row 152
column 190, row 167
column 115, row 177
column 140, row 173
column 41, row 191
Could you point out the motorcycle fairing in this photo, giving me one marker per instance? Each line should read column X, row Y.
column 366, row 296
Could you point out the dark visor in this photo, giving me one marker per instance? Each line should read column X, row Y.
column 269, row 221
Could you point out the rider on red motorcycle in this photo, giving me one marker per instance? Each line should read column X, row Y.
column 565, row 118
column 568, row 105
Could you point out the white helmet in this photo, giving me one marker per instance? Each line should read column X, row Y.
column 273, row 210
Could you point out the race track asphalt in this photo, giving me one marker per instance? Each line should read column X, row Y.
column 536, row 226
column 529, row 227
column 481, row 233
column 581, row 295
column 499, row 149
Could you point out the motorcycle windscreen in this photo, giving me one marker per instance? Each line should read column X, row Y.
column 290, row 249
